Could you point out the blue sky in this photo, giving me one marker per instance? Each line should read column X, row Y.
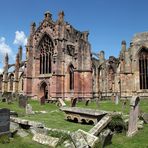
column 108, row 21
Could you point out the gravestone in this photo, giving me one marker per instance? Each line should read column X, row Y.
column 133, row 117
column 73, row 102
column 112, row 97
column 7, row 97
column 42, row 100
column 61, row 102
column 22, row 101
column 4, row 121
column 87, row 102
column 116, row 99
column 124, row 105
column 29, row 109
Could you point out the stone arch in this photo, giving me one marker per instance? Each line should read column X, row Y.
column 44, row 89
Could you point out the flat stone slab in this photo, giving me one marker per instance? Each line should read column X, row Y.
column 26, row 122
column 100, row 125
column 85, row 111
column 83, row 115
column 46, row 140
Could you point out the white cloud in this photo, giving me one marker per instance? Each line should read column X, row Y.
column 4, row 47
column 20, row 38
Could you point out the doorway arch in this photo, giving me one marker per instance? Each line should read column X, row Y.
column 44, row 90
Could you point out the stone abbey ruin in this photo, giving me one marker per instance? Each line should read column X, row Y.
column 60, row 64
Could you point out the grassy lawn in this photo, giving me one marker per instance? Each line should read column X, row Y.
column 54, row 118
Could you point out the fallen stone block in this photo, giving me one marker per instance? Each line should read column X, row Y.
column 78, row 140
column 68, row 144
column 100, row 125
column 22, row 133
column 105, row 137
column 46, row 140
column 91, row 140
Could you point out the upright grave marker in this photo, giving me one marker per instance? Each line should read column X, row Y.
column 133, row 117
column 4, row 121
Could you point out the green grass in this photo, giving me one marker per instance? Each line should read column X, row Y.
column 55, row 119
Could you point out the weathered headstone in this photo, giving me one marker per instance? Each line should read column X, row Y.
column 117, row 99
column 133, row 117
column 4, row 121
column 112, row 97
column 73, row 102
column 87, row 102
column 22, row 101
column 29, row 109
column 61, row 102
column 100, row 125
column 42, row 100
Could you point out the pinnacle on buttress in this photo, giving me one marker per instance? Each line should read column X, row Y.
column 47, row 15
column 61, row 16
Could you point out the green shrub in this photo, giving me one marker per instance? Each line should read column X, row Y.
column 4, row 138
column 117, row 124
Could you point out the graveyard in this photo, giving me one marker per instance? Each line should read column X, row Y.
column 50, row 119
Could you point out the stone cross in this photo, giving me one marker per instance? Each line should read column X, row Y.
column 133, row 117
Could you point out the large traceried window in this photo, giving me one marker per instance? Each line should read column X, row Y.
column 143, row 68
column 71, row 77
column 46, row 51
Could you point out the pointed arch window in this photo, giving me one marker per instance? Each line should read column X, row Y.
column 71, row 77
column 11, row 82
column 46, row 51
column 1, row 79
column 143, row 68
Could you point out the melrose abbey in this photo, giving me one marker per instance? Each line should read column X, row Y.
column 60, row 64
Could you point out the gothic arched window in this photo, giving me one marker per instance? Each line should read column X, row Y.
column 11, row 82
column 143, row 68
column 71, row 77
column 1, row 79
column 46, row 51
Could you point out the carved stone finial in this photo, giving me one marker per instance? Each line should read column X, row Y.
column 123, row 42
column 33, row 27
column 61, row 16
column 47, row 15
column 6, row 57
